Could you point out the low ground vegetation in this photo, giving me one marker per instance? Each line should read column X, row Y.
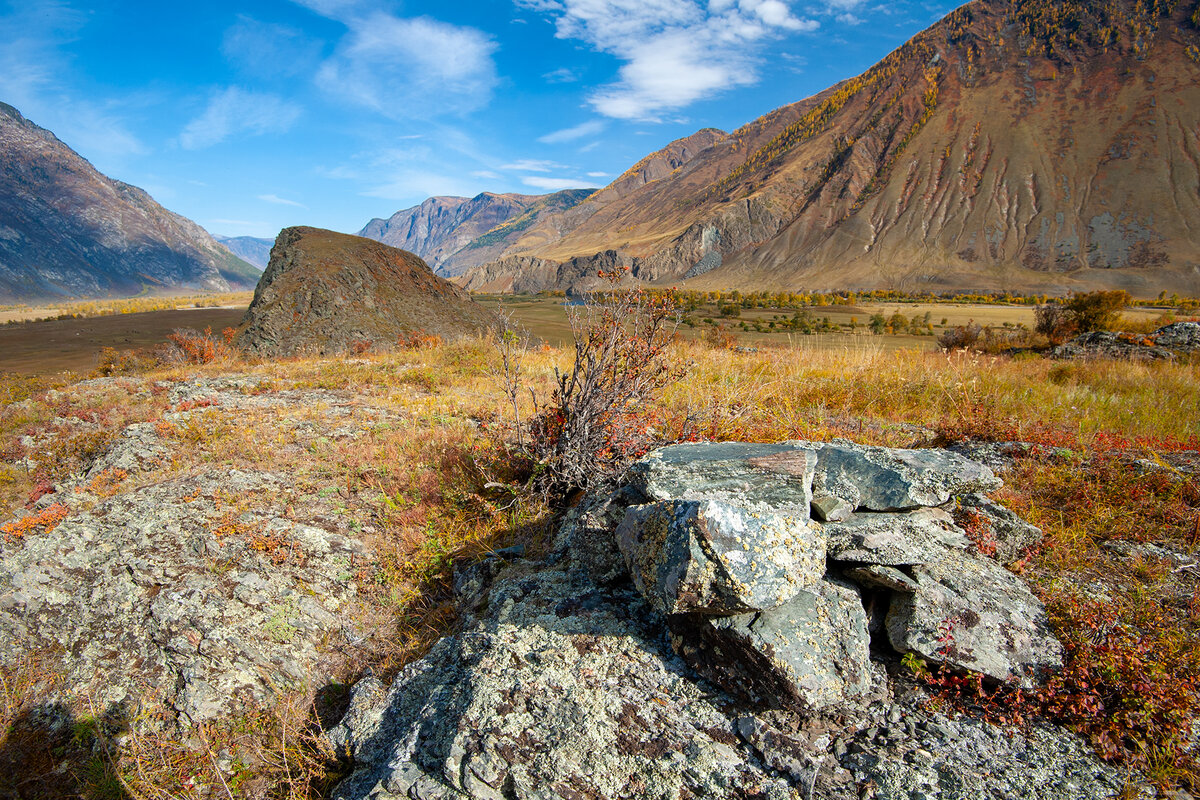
column 440, row 480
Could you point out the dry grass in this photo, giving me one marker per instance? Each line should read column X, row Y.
column 426, row 482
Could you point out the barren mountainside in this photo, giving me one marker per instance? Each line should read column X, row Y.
column 251, row 249
column 68, row 231
column 1042, row 145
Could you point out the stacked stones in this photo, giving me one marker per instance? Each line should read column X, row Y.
column 777, row 565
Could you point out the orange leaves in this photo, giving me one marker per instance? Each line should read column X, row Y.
column 44, row 521
column 194, row 347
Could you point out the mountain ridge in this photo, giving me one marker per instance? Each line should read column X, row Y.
column 68, row 231
column 1010, row 145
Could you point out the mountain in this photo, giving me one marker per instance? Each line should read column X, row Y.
column 68, row 231
column 251, row 249
column 440, row 228
column 327, row 293
column 1037, row 145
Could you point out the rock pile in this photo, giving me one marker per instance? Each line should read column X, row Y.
column 1166, row 342
column 720, row 627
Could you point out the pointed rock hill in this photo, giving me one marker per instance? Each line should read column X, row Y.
column 67, row 231
column 1037, row 145
column 326, row 292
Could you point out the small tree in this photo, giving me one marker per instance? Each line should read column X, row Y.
column 1098, row 311
column 1054, row 322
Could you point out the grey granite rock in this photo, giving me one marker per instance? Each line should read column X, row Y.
column 970, row 613
column 1007, row 533
column 811, row 652
column 714, row 557
column 915, row 537
column 886, row 479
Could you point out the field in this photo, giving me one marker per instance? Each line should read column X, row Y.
column 1110, row 476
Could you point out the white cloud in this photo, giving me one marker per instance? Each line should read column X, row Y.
column 34, row 78
column 597, row 174
column 406, row 68
column 849, row 19
column 675, row 52
column 532, row 165
column 555, row 184
column 235, row 111
column 269, row 50
column 560, row 75
column 590, row 128
column 485, row 173
column 416, row 185
column 280, row 201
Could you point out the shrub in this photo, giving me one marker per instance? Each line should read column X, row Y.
column 598, row 418
column 187, row 346
column 1055, row 322
column 961, row 337
column 1097, row 311
column 718, row 336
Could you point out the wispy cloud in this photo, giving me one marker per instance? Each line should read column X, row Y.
column 280, row 201
column 235, row 111
column 590, row 128
column 560, row 75
column 414, row 185
column 555, row 184
column 485, row 173
column 532, row 165
column 269, row 50
column 598, row 174
column 408, row 67
column 675, row 52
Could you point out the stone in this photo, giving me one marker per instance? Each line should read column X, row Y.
column 145, row 590
column 882, row 577
column 915, row 537
column 1010, row 535
column 885, row 479
column 811, row 652
column 972, row 614
column 1183, row 336
column 714, row 557
column 827, row 508
column 772, row 477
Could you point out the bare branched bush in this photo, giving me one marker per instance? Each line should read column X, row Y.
column 961, row 337
column 1054, row 322
column 598, row 417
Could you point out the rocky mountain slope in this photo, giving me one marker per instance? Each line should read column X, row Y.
column 326, row 292
column 454, row 233
column 68, row 231
column 250, row 249
column 1041, row 145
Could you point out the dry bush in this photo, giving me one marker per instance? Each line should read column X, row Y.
column 598, row 417
column 961, row 337
column 187, row 346
column 718, row 336
column 1054, row 321
column 1098, row 311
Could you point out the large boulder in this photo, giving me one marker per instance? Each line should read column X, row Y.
column 714, row 557
column 330, row 293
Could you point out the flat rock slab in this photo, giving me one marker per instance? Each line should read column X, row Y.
column 714, row 557
column 970, row 613
column 811, row 652
column 774, row 477
column 915, row 537
column 147, row 590
column 888, row 479
column 559, row 690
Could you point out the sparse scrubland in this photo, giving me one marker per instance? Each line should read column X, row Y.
column 421, row 463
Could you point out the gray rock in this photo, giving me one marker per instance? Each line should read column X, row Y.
column 773, row 477
column 915, row 537
column 713, row 557
column 1178, row 336
column 827, row 508
column 138, row 449
column 559, row 689
column 972, row 614
column 881, row 577
column 1010, row 535
column 885, row 479
column 811, row 652
column 145, row 589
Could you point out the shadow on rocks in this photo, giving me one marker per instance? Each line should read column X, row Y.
column 49, row 752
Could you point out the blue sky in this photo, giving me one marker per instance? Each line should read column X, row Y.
column 249, row 117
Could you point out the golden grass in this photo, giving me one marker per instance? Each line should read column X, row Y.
column 412, row 482
column 128, row 305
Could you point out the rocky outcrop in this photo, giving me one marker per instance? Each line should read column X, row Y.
column 328, row 293
column 66, row 231
column 1179, row 338
column 682, row 639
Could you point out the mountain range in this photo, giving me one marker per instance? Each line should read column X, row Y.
column 251, row 249
column 1034, row 145
column 67, row 231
